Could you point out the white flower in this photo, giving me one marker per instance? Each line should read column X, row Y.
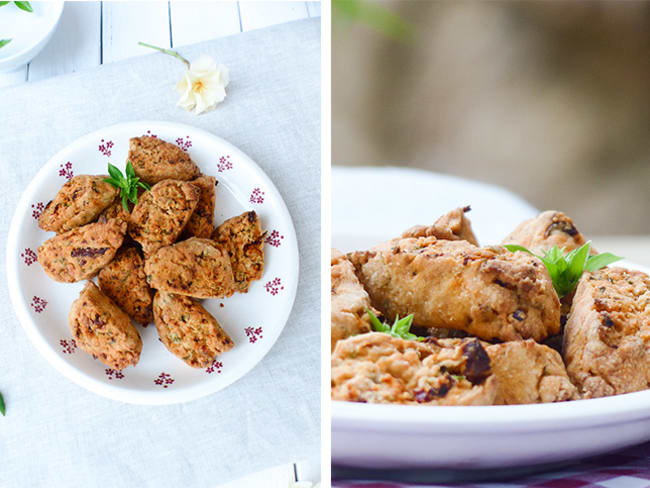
column 203, row 85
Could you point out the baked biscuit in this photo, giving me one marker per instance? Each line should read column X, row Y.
column 243, row 238
column 350, row 301
column 489, row 292
column 80, row 253
column 548, row 229
column 161, row 214
column 155, row 160
column 528, row 372
column 103, row 330
column 78, row 202
column 379, row 368
column 607, row 336
column 188, row 330
column 201, row 221
column 196, row 267
column 123, row 280
column 452, row 226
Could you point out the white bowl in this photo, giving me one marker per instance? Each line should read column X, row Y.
column 29, row 32
column 254, row 320
column 389, row 437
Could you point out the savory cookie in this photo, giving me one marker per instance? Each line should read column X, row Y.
column 607, row 336
column 196, row 267
column 453, row 226
column 161, row 214
column 80, row 253
column 488, row 292
column 123, row 280
column 243, row 238
column 349, row 300
column 155, row 160
column 78, row 202
column 103, row 330
column 379, row 368
column 188, row 330
column 548, row 229
column 201, row 221
column 528, row 372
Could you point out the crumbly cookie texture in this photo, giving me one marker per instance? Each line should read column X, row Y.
column 350, row 301
column 81, row 252
column 78, row 202
column 528, row 372
column 154, row 160
column 195, row 267
column 243, row 238
column 103, row 330
column 607, row 336
column 452, row 226
column 123, row 280
column 379, row 368
column 488, row 292
column 548, row 229
column 201, row 221
column 188, row 330
column 161, row 214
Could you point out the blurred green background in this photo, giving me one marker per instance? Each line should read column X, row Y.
column 549, row 99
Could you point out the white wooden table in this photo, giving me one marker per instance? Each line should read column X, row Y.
column 94, row 33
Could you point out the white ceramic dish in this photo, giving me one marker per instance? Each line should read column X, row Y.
column 253, row 320
column 460, row 438
column 29, row 31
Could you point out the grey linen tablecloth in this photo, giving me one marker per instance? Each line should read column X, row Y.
column 58, row 434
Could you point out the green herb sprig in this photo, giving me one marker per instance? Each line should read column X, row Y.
column 4, row 42
column 566, row 269
column 3, row 408
column 400, row 328
column 128, row 184
column 26, row 6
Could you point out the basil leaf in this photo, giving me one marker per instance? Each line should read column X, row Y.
column 599, row 261
column 24, row 6
column 129, row 170
column 376, row 324
column 144, row 185
column 517, row 247
column 4, row 42
column 3, row 408
column 2, row 4
column 124, row 201
column 115, row 173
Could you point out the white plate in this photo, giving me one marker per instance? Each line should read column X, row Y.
column 253, row 320
column 29, row 31
column 403, row 436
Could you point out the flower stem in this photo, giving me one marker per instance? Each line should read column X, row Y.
column 166, row 51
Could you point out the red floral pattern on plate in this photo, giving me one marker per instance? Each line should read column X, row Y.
column 224, row 163
column 113, row 373
column 68, row 347
column 66, row 170
column 257, row 196
column 253, row 334
column 38, row 304
column 149, row 134
column 164, row 380
column 29, row 256
column 274, row 286
column 215, row 366
column 37, row 209
column 274, row 239
column 105, row 147
column 184, row 143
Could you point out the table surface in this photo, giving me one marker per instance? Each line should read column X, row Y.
column 94, row 33
column 91, row 34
